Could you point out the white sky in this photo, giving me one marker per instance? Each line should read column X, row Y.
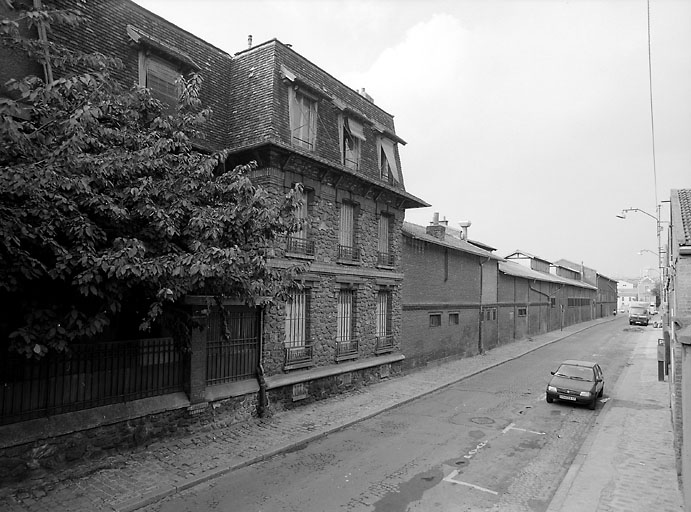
column 529, row 118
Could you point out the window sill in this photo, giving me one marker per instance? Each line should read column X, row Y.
column 299, row 256
column 346, row 357
column 386, row 267
column 352, row 263
column 297, row 366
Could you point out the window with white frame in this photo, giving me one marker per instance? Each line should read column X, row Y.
column 303, row 119
column 301, row 213
column 385, row 255
column 387, row 161
column 162, row 78
column 346, row 232
column 297, row 319
column 298, row 241
column 352, row 139
column 383, row 327
column 345, row 315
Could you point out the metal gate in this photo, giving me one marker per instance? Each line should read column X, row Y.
column 232, row 346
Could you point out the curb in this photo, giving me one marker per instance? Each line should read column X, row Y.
column 168, row 490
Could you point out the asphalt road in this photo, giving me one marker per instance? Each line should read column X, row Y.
column 490, row 442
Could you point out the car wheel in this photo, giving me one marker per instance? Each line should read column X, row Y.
column 549, row 399
column 592, row 404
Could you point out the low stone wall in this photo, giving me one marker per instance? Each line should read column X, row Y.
column 33, row 448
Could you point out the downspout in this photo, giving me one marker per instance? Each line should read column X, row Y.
column 263, row 400
column 479, row 338
column 43, row 37
column 549, row 298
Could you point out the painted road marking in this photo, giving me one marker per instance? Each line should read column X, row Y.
column 455, row 472
column 474, row 451
column 512, row 426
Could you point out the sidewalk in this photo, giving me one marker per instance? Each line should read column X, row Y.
column 627, row 462
column 129, row 481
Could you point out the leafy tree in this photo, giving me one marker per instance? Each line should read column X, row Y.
column 109, row 214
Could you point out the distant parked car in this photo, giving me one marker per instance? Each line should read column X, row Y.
column 581, row 382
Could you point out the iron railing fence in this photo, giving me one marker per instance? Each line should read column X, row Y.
column 346, row 349
column 385, row 344
column 88, row 375
column 348, row 253
column 386, row 258
column 298, row 355
column 300, row 246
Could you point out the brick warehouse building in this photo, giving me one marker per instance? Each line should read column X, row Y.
column 340, row 328
column 606, row 299
column 459, row 299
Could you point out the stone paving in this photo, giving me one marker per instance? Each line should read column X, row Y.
column 130, row 481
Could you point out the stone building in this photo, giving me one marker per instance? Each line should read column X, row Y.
column 341, row 325
column 305, row 127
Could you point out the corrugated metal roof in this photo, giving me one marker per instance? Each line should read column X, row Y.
column 527, row 255
column 512, row 268
column 457, row 233
column 420, row 233
column 578, row 268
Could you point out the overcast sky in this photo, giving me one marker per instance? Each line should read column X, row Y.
column 531, row 119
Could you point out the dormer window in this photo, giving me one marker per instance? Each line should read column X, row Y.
column 303, row 119
column 161, row 78
column 161, row 67
column 387, row 161
column 351, row 143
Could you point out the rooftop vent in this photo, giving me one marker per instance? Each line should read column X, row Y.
column 465, row 224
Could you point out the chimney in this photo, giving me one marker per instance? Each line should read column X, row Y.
column 465, row 224
column 364, row 94
column 437, row 229
column 249, row 41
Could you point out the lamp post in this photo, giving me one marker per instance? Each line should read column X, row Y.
column 658, row 226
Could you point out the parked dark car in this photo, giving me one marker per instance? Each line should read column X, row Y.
column 581, row 382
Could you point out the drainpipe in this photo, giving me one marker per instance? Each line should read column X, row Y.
column 43, row 37
column 549, row 297
column 263, row 401
column 479, row 340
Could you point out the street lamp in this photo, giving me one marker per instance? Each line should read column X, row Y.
column 659, row 229
column 640, row 253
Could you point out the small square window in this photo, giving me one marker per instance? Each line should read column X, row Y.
column 454, row 318
column 435, row 320
column 522, row 311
